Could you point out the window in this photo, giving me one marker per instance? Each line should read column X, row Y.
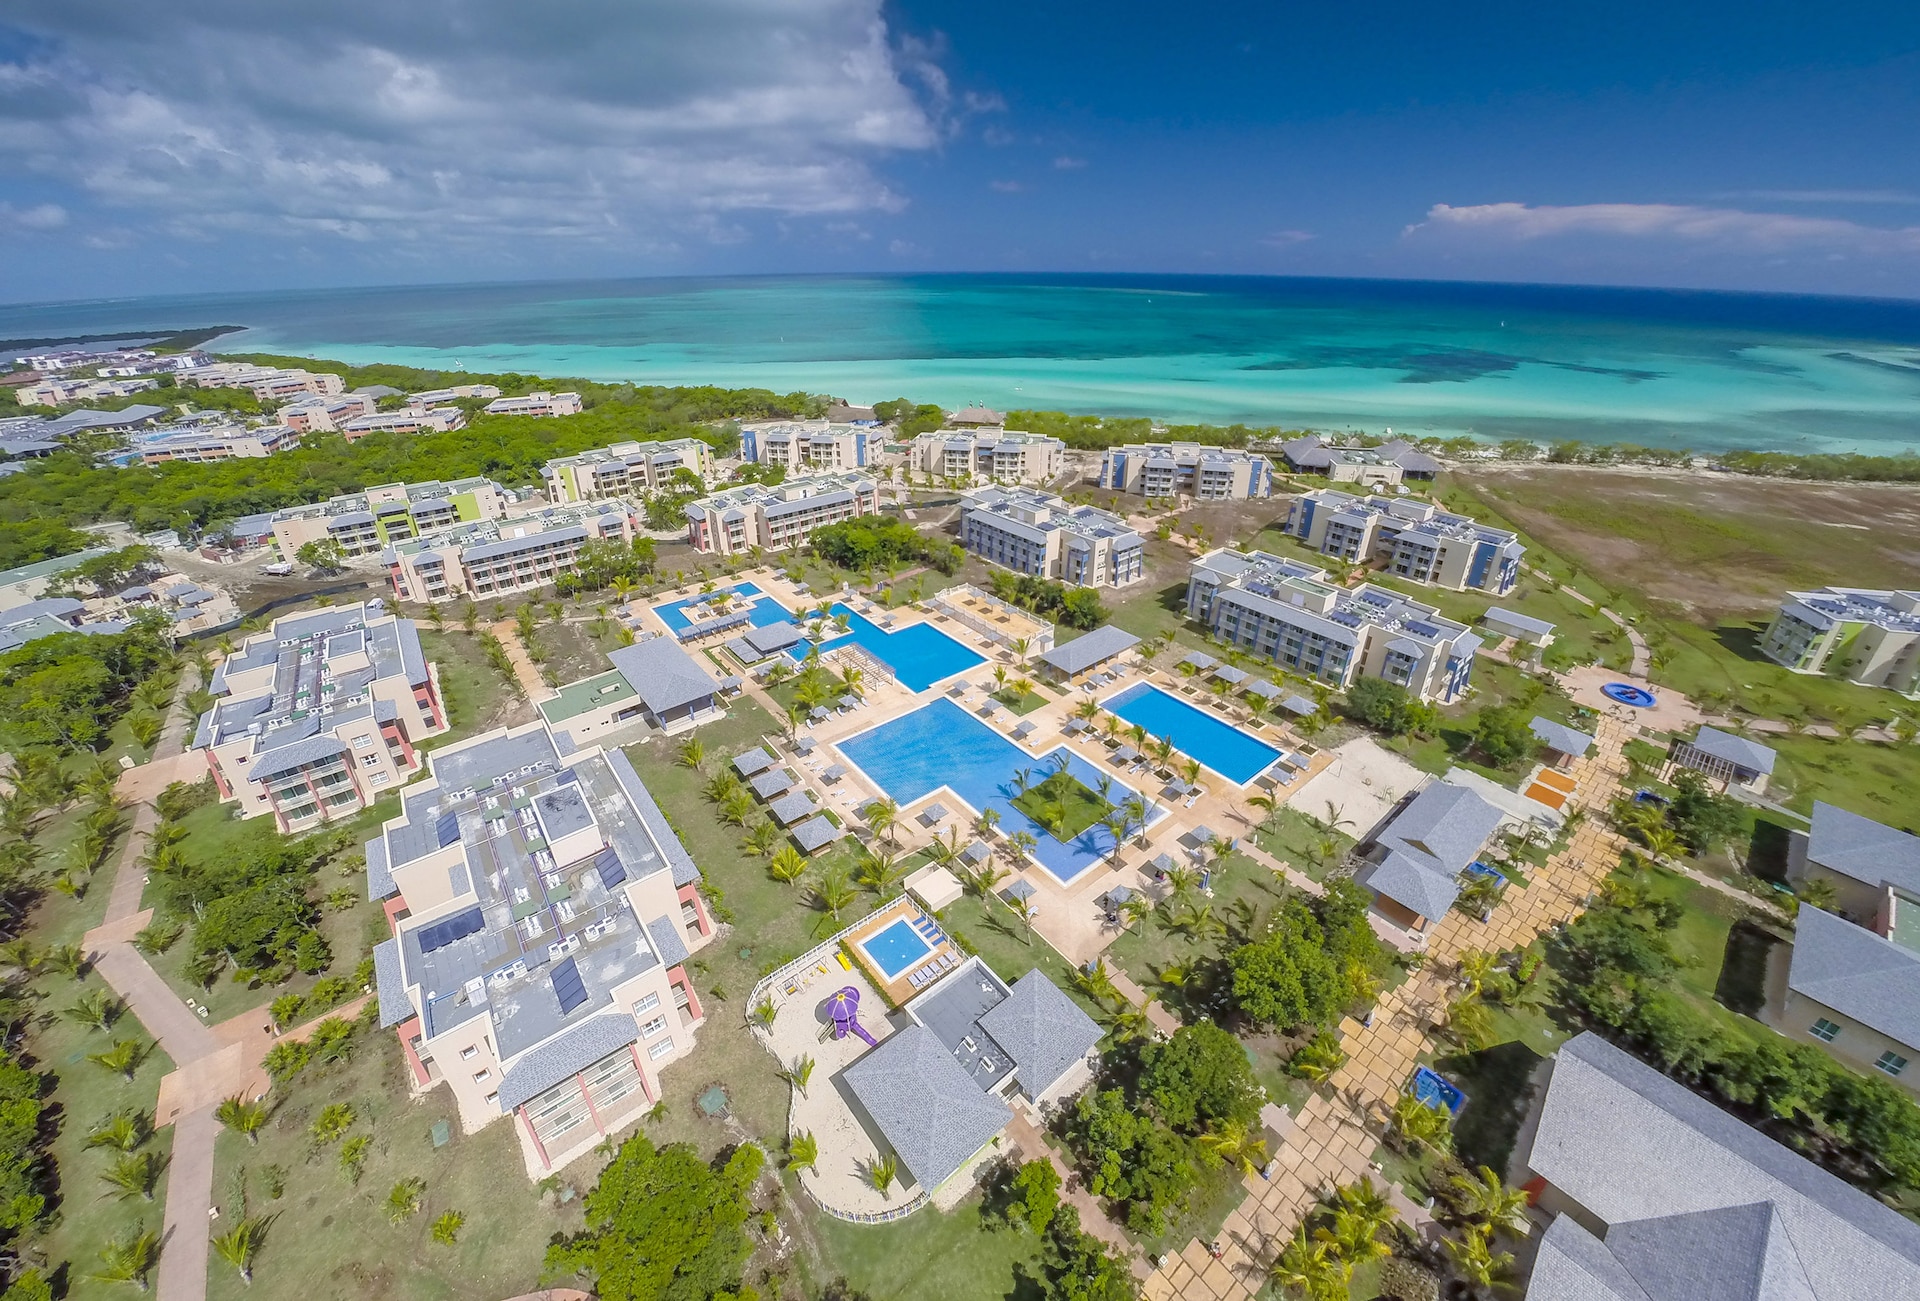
column 665, row 1046
column 1891, row 1062
column 653, row 1027
column 494, row 1097
column 362, row 742
column 1823, row 1030
column 468, row 1053
column 380, row 779
column 482, row 1076
column 646, row 1004
column 369, row 761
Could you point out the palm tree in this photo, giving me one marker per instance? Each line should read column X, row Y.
column 1027, row 910
column 1353, row 1237
column 1022, row 843
column 1487, row 1202
column 134, row 1174
column 802, row 1151
column 1087, row 710
column 403, row 1200
column 883, row 816
column 242, row 1117
column 1022, row 779
column 737, row 808
column 798, row 1074
column 1116, row 824
column 986, row 878
column 1475, row 1260
column 1476, row 968
column 984, row 824
column 834, row 892
column 1309, row 1269
column 96, row 1010
column 129, row 1258
column 125, row 1132
column 1235, row 1144
column 124, row 1058
column 852, row 680
column 881, row 872
column 763, row 838
column 1267, row 805
column 883, row 1172
column 240, row 1244
column 1662, row 842
column 1096, row 982
column 1818, row 892
column 1418, row 1126
column 1190, row 771
column 1316, row 1060
column 692, row 753
column 787, row 865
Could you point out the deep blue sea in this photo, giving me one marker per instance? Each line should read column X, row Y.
column 1708, row 370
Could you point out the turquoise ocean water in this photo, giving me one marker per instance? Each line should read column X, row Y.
column 1495, row 361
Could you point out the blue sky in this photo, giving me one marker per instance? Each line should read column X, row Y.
column 238, row 146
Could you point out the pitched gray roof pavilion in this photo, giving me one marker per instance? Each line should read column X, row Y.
column 1857, row 973
column 1428, row 844
column 1696, row 1205
column 1089, row 650
column 1850, row 845
column 925, row 1104
column 1043, row 1030
column 1735, row 750
column 1558, row 736
column 665, row 677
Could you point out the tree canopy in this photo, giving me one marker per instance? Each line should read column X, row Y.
column 1199, row 1077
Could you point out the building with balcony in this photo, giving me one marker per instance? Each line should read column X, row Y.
column 989, row 455
column 429, row 397
column 543, row 912
column 491, row 558
column 536, row 404
column 407, row 420
column 776, row 517
column 1033, row 532
column 320, row 715
column 280, row 385
column 1195, row 470
column 222, row 442
column 60, row 392
column 364, row 522
column 324, row 415
column 625, row 469
column 1864, row 635
column 1414, row 540
column 1286, row 611
column 808, row 446
column 1384, row 466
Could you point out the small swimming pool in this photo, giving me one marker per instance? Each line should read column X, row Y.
column 1437, row 1091
column 1628, row 694
column 896, row 948
column 919, row 656
column 1217, row 745
column 761, row 611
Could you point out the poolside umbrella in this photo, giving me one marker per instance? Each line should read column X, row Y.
column 1021, row 890
column 990, row 708
column 848, row 702
column 804, row 745
column 1074, row 726
column 957, row 689
column 834, row 772
column 819, row 712
column 1025, row 729
column 1177, row 788
column 937, row 813
column 1162, row 863
column 1126, row 753
column 1119, row 895
column 1201, row 835
column 1262, row 688
column 1228, row 673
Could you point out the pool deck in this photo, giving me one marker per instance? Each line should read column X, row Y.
column 899, row 989
column 1067, row 915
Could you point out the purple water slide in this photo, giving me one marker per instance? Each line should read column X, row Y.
column 844, row 1007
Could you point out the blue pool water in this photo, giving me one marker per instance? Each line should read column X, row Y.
column 764, row 610
column 1220, row 746
column 919, row 656
column 1437, row 1091
column 896, row 948
column 941, row 744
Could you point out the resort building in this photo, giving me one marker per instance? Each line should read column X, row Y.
column 498, row 557
column 1415, row 540
column 1873, row 868
column 1864, row 635
column 1285, row 611
column 774, row 518
column 536, row 404
column 324, row 415
column 543, row 912
column 808, row 446
column 625, row 469
column 989, row 455
column 407, row 420
column 1196, row 470
column 1655, row 1194
column 1416, row 860
column 317, row 717
column 1385, row 466
column 364, row 522
column 49, row 617
column 223, row 442
column 1855, row 991
column 29, row 583
column 653, row 682
column 1523, row 628
column 280, row 385
column 60, row 392
column 1733, row 761
column 470, row 392
column 1034, row 532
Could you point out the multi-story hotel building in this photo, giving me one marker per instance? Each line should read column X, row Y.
column 624, row 469
column 407, row 420
column 543, row 911
column 1197, row 470
column 214, row 443
column 1867, row 636
column 502, row 556
column 364, row 522
column 324, row 414
column 774, row 518
column 320, row 715
column 807, row 446
column 1415, row 540
column 537, row 404
column 1285, row 611
column 990, row 455
column 1033, row 532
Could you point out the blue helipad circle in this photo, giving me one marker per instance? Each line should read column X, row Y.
column 1628, row 694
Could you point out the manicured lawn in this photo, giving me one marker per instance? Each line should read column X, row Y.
column 1021, row 703
column 955, row 1257
column 1876, row 781
column 1243, row 891
column 1304, row 844
column 1078, row 807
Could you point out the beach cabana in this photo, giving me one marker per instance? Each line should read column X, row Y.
column 753, row 761
column 815, row 834
column 792, row 808
column 1178, row 788
column 804, row 745
column 1230, row 675
column 1020, row 890
column 1023, row 731
column 819, row 713
column 772, row 783
column 1262, row 689
column 1299, row 705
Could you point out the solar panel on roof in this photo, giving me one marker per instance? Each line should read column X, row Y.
column 568, row 987
column 612, row 870
column 1423, row 630
column 446, row 931
column 567, row 776
column 448, row 829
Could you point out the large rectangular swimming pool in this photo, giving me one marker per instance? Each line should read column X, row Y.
column 896, row 948
column 942, row 745
column 761, row 611
column 1195, row 733
column 919, row 656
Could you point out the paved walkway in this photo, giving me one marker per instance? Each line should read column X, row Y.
column 1339, row 1127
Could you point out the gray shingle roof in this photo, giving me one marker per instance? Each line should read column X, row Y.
column 1857, row 973
column 659, row 830
column 927, row 1108
column 662, row 675
column 286, row 758
column 1560, row 737
column 1514, row 619
column 1863, row 849
column 1734, row 1253
column 753, row 761
column 390, row 983
column 566, row 1054
column 1043, row 1030
column 1415, row 882
column 1199, row 659
column 791, row 808
column 380, row 882
column 1447, row 823
column 772, row 782
column 1736, row 750
column 668, row 941
column 1628, row 1144
column 1573, row 1265
column 816, row 833
column 1089, row 649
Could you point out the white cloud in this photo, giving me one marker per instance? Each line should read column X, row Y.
column 470, row 127
column 1825, row 196
column 1068, row 163
column 42, row 216
column 1005, row 187
column 1286, row 238
column 1727, row 229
